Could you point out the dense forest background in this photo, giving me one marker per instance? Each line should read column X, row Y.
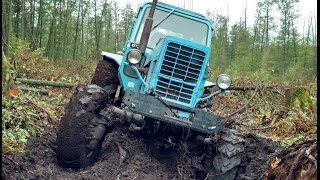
column 63, row 30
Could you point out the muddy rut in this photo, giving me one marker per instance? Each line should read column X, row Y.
column 142, row 161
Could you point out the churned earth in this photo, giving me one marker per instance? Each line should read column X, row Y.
column 142, row 160
column 130, row 155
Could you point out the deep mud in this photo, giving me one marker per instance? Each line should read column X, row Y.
column 181, row 161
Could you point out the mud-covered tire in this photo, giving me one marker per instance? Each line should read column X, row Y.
column 76, row 145
column 230, row 148
column 106, row 76
column 80, row 135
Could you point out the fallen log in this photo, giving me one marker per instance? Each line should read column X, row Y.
column 270, row 88
column 241, row 88
column 44, row 83
column 41, row 91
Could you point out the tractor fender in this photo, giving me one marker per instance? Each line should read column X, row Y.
column 117, row 58
column 209, row 84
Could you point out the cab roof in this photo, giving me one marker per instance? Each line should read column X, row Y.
column 180, row 10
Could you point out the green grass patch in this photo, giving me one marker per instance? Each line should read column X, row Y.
column 21, row 119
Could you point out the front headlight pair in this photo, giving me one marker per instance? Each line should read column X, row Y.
column 134, row 56
column 223, row 81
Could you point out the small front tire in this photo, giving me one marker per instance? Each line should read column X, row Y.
column 227, row 155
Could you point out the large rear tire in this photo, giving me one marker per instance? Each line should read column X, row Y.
column 106, row 76
column 81, row 130
column 78, row 141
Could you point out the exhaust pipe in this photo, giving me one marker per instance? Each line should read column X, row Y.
column 124, row 115
column 147, row 28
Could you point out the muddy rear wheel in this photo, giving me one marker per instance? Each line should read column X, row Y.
column 81, row 130
column 79, row 137
column 106, row 76
column 228, row 155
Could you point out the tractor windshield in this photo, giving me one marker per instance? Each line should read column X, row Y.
column 168, row 23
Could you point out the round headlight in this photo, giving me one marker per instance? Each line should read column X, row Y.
column 134, row 56
column 223, row 81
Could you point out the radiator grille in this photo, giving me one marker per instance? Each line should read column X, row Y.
column 179, row 72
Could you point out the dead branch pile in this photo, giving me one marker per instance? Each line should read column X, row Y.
column 296, row 163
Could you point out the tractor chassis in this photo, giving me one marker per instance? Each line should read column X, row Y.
column 136, row 106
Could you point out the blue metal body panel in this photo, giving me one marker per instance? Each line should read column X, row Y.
column 181, row 63
column 177, row 67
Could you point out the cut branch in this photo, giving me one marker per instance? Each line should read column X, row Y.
column 295, row 164
column 244, row 106
column 44, row 83
column 241, row 108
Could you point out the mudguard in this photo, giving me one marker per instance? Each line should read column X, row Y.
column 113, row 57
column 209, row 84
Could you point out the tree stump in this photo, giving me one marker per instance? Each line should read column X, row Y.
column 298, row 98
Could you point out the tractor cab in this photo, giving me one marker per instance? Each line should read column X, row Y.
column 173, row 21
column 167, row 53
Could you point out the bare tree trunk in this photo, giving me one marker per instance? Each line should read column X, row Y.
column 39, row 24
column 294, row 43
column 262, row 38
column 284, row 38
column 307, row 44
column 17, row 21
column 32, row 9
column 96, row 27
column 23, row 19
column 76, row 36
column 116, row 27
column 255, row 36
column 66, row 12
column 315, row 37
column 245, row 16
column 126, row 26
column 288, row 37
column 303, row 33
column 100, row 25
column 8, row 25
column 267, row 23
column 108, row 31
column 3, row 33
column 51, row 39
column 82, row 30
column 87, row 37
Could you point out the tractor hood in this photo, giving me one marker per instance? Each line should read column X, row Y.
column 177, row 70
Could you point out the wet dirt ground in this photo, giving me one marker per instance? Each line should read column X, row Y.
column 180, row 162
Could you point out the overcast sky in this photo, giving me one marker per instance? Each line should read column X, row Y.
column 236, row 8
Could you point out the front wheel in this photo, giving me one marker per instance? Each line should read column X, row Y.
column 227, row 156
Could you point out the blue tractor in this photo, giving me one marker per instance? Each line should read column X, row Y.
column 158, row 81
